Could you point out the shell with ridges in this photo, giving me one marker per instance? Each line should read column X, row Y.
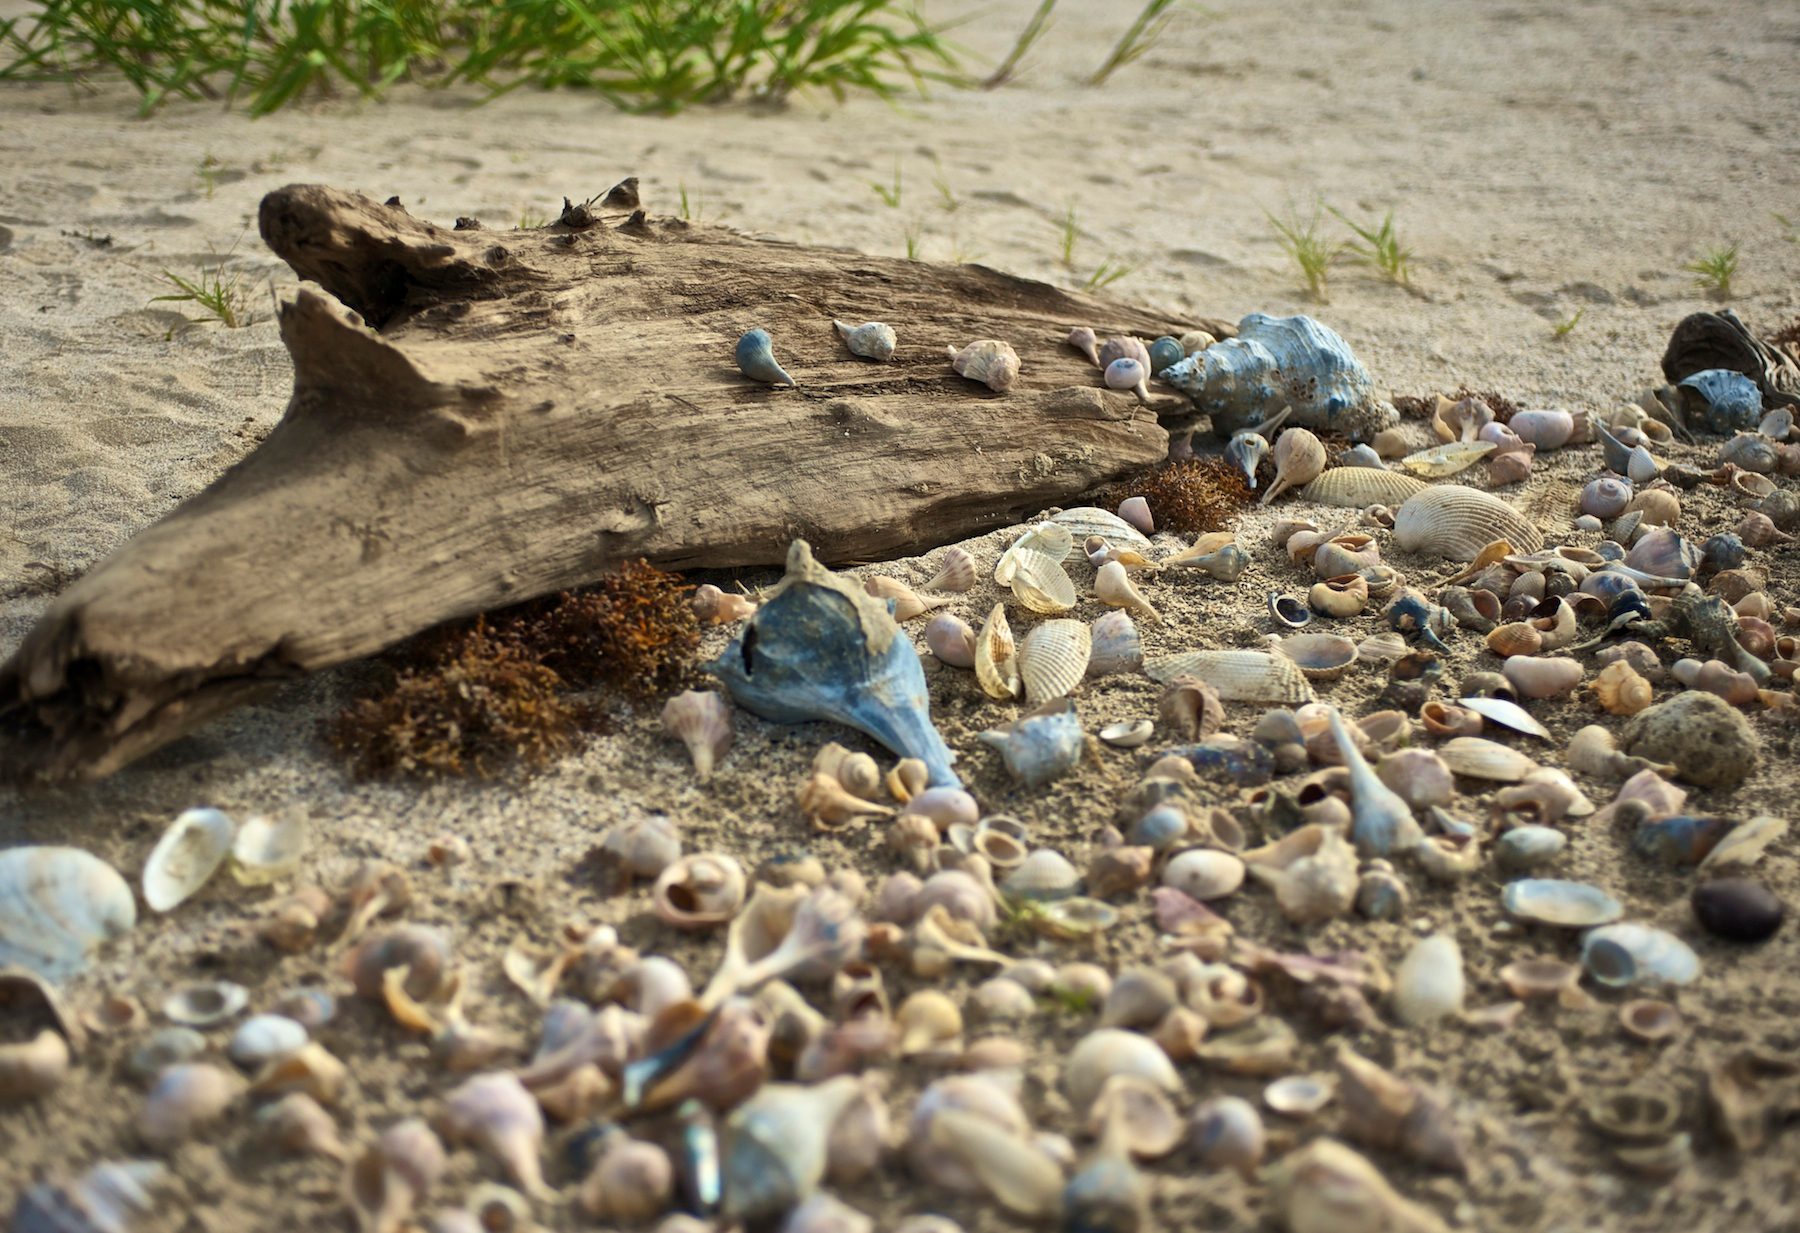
column 1041, row 583
column 1276, row 361
column 988, row 360
column 1053, row 659
column 1238, row 676
column 56, row 906
column 1085, row 520
column 996, row 658
column 955, row 573
column 1482, row 759
column 1360, row 487
column 1445, row 460
column 872, row 340
column 1456, row 522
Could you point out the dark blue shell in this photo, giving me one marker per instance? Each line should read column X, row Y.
column 1245, row 763
column 1411, row 616
column 1721, row 400
column 1164, row 352
column 1681, row 840
column 1724, row 551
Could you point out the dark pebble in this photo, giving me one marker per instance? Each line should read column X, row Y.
column 1738, row 909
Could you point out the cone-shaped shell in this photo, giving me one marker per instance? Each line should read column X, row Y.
column 1456, row 522
column 996, row 657
column 1238, row 676
column 1299, row 457
column 1113, row 586
column 871, row 340
column 1053, row 659
column 56, row 906
column 1360, row 487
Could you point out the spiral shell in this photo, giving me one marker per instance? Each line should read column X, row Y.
column 1360, row 487
column 1606, row 497
column 872, row 340
column 1053, row 659
column 988, row 360
column 1621, row 690
column 1456, row 522
column 699, row 892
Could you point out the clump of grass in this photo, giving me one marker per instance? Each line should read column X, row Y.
column 1107, row 273
column 891, row 196
column 1036, row 28
column 209, row 171
column 946, row 195
column 1789, row 231
column 1068, row 230
column 216, row 292
column 1565, row 327
column 1714, row 269
column 1302, row 240
column 643, row 55
column 915, row 237
column 1151, row 24
column 634, row 632
column 485, row 706
column 1191, row 496
column 1380, row 248
column 530, row 219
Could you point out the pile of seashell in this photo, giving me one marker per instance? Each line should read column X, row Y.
column 751, row 1088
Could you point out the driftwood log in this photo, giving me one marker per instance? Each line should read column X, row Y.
column 482, row 417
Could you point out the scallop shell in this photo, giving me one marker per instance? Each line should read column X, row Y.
column 1053, row 659
column 1456, row 522
column 1051, row 538
column 57, row 905
column 268, row 848
column 1041, row 583
column 996, row 658
column 1238, row 676
column 1085, row 520
column 955, row 573
column 189, row 852
column 1360, row 487
column 1444, row 460
column 1482, row 759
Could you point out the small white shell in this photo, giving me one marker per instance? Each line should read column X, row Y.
column 1053, row 659
column 1428, row 985
column 269, row 848
column 189, row 852
column 1128, row 733
column 1202, row 873
column 1238, row 676
column 1041, row 583
column 951, row 640
column 1101, row 1054
column 1451, row 521
column 871, row 340
column 1482, row 759
column 262, row 1039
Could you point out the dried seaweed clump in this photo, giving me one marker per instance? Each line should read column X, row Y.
column 486, row 705
column 1788, row 336
column 1420, row 408
column 1191, row 496
column 634, row 631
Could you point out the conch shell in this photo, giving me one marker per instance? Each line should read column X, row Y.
column 988, row 360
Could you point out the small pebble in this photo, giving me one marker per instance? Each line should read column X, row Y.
column 1738, row 909
column 1587, row 522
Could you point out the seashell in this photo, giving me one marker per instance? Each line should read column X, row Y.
column 1525, row 848
column 699, row 892
column 1449, row 459
column 1503, row 711
column 1719, row 552
column 1015, row 1171
column 1380, row 893
column 1107, row 1053
column 1715, row 677
column 1516, row 638
column 1656, row 507
column 1428, row 985
column 58, row 905
column 988, row 360
column 1316, row 881
column 1527, row 979
column 1345, row 554
column 1361, row 487
column 1744, row 845
column 1720, row 400
column 872, row 340
column 1418, row 777
column 1542, row 678
column 1227, row 562
column 267, row 849
column 185, row 1099
column 1124, row 347
column 1136, row 1117
column 1325, row 1187
column 496, row 1114
column 717, row 607
column 907, row 603
column 105, row 1199
column 1274, row 361
column 1083, row 521
column 632, row 1181
column 642, row 847
column 1548, row 430
column 262, row 1039
column 1043, row 875
column 1042, row 745
column 1237, row 676
column 1382, row 822
column 1568, row 905
column 1126, row 373
column 1737, row 909
column 1114, row 645
column 1289, row 611
column 1203, row 874
column 1343, row 596
column 1443, row 719
column 1462, row 420
column 820, row 648
column 951, row 640
column 1265, row 1047
column 299, row 1124
column 188, row 854
column 856, row 773
column 34, row 1068
column 1039, row 581
column 422, row 952
column 1227, row 1133
column 309, row 1069
column 1387, row 1112
column 1621, row 690
column 1390, row 443
column 1128, row 734
column 701, row 720
column 1299, row 459
column 1053, row 660
column 1320, row 657
column 1483, row 759
column 164, row 1048
column 377, row 888
column 1299, row 1096
column 1164, row 352
column 776, row 1145
column 1476, row 610
column 1606, row 497
column 1085, row 341
column 1629, row 954
column 1456, row 522
column 206, row 1004
column 755, row 357
column 929, row 1023
column 1113, row 587
column 1758, row 530
column 1678, row 839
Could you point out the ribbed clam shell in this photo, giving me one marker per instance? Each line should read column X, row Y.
column 996, row 658
column 1456, row 522
column 1086, row 520
column 1239, row 676
column 1042, row 584
column 1049, row 538
column 1053, row 658
column 1481, row 759
column 56, row 905
column 1452, row 459
column 189, row 852
column 1358, row 487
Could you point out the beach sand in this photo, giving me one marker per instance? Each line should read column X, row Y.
column 1541, row 160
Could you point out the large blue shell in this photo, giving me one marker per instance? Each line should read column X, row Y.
column 1721, row 401
column 820, row 648
column 1282, row 361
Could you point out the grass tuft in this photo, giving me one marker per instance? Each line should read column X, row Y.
column 217, row 293
column 1302, row 240
column 1380, row 247
column 1107, row 273
column 1714, row 268
column 915, row 236
column 643, row 55
column 891, row 196
column 1036, row 28
column 1067, row 232
column 1151, row 24
column 1565, row 327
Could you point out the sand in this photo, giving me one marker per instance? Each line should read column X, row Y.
column 1541, row 159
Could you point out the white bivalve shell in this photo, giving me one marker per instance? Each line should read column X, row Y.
column 1053, row 659
column 267, row 849
column 185, row 857
column 1238, row 676
column 57, row 905
column 1451, row 521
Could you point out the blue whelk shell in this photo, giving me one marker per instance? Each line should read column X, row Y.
column 819, row 647
column 872, row 340
column 1632, row 954
column 1041, row 746
column 756, row 359
column 1720, row 400
column 1282, row 360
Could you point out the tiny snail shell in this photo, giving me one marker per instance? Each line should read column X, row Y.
column 871, row 340
column 1124, row 374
